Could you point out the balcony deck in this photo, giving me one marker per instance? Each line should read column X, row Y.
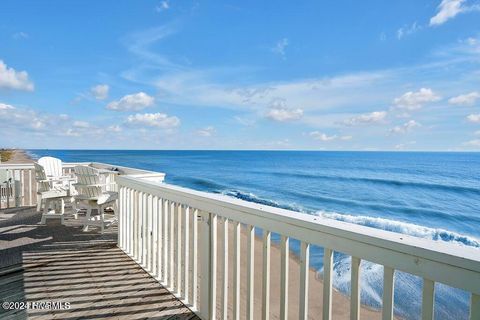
column 86, row 269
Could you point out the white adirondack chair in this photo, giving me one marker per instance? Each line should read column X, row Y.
column 54, row 172
column 92, row 195
column 50, row 193
column 52, row 166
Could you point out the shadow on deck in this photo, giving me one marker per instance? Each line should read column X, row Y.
column 62, row 264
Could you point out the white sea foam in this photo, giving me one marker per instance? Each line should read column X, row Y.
column 405, row 228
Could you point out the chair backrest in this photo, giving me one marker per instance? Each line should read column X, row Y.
column 88, row 180
column 52, row 166
column 41, row 178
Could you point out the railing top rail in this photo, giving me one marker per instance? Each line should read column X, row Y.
column 403, row 252
column 134, row 172
column 15, row 166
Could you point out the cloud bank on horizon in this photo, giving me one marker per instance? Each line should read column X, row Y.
column 191, row 75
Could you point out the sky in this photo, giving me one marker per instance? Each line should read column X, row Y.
column 305, row 75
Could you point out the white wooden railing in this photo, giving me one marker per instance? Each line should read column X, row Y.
column 172, row 233
column 18, row 187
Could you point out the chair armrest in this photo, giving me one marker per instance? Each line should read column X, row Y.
column 90, row 185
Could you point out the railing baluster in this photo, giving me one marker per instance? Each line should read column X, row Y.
column 179, row 249
column 186, row 248
column 144, row 229
column 148, row 238
column 475, row 307
column 141, row 234
column 30, row 188
column 236, row 270
column 22, row 186
column 205, row 259
column 428, row 297
column 126, row 213
column 267, row 235
column 137, row 224
column 123, row 214
column 284, row 270
column 304, row 273
column 159, row 238
column 166, row 242
column 225, row 270
column 250, row 269
column 355, row 289
column 213, row 266
column 129, row 220
column 121, row 218
column 388, row 293
column 194, row 258
column 154, row 228
column 327, row 283
column 171, row 244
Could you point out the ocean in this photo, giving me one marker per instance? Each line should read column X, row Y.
column 429, row 195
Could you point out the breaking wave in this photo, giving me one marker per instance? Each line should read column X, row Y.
column 405, row 228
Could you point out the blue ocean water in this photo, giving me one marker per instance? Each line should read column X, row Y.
column 428, row 195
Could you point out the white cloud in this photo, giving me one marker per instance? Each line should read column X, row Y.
column 475, row 118
column 472, row 143
column 449, row 9
column 160, row 120
column 283, row 114
column 20, row 35
column 100, row 92
column 367, row 118
column 280, row 47
column 407, row 30
column 403, row 146
column 4, row 106
column 477, row 133
column 64, row 116
column 135, row 102
column 114, row 128
column 22, row 119
column 317, row 135
column 468, row 99
column 245, row 121
column 406, row 127
column 72, row 133
column 162, row 6
column 81, row 124
column 207, row 131
column 12, row 79
column 415, row 100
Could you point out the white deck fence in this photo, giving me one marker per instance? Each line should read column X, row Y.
column 172, row 233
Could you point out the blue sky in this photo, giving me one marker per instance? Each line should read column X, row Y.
column 313, row 75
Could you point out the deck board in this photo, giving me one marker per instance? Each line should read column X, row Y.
column 86, row 269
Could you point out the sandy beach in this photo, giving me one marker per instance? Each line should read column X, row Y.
column 19, row 156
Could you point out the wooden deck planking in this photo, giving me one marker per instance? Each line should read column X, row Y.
column 86, row 269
